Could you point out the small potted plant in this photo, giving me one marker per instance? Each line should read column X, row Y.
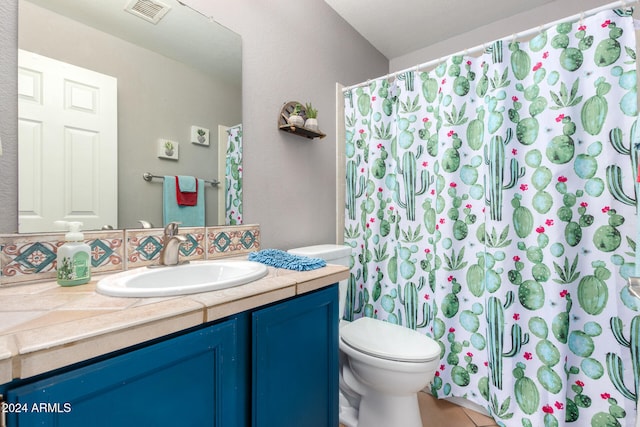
column 168, row 148
column 312, row 117
column 294, row 118
column 201, row 136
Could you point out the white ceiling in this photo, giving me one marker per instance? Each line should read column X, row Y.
column 183, row 34
column 402, row 26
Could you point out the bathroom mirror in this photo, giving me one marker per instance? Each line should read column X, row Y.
column 174, row 77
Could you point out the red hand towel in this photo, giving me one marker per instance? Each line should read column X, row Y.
column 186, row 199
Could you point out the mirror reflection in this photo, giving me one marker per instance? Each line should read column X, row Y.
column 129, row 89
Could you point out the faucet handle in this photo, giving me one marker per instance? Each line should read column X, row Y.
column 171, row 229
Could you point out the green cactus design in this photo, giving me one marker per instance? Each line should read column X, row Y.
column 495, row 159
column 548, row 354
column 429, row 87
column 608, row 50
column 615, row 366
column 475, row 130
column 614, row 172
column 560, row 149
column 451, row 158
column 408, row 172
column 483, row 82
column 490, row 206
column 450, row 303
column 595, row 109
column 593, row 293
column 571, row 58
column 411, row 303
column 628, row 80
column 352, row 294
column 525, row 390
column 520, row 61
column 364, row 102
column 580, row 400
column 609, row 419
column 355, row 187
column 496, row 336
column 573, row 230
column 522, row 218
column 460, row 226
column 607, row 238
column 460, row 375
column 565, row 99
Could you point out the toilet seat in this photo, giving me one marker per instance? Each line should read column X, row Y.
column 388, row 341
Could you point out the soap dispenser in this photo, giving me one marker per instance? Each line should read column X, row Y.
column 74, row 260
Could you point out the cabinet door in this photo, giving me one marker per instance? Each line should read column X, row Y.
column 295, row 362
column 190, row 380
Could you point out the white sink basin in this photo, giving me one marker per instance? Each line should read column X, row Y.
column 197, row 276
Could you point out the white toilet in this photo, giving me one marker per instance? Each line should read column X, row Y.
column 382, row 366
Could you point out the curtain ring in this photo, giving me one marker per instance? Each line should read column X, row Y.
column 582, row 18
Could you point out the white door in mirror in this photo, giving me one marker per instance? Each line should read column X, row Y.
column 67, row 116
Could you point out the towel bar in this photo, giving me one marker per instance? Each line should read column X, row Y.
column 147, row 176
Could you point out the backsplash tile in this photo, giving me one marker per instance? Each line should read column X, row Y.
column 228, row 241
column 23, row 257
column 144, row 245
column 26, row 258
column 107, row 250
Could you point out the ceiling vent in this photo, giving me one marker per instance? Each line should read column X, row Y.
column 151, row 11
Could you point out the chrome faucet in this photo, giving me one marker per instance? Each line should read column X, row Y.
column 170, row 253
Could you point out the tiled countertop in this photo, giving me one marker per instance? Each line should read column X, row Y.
column 45, row 326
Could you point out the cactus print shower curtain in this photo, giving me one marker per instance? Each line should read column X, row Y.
column 233, row 176
column 491, row 205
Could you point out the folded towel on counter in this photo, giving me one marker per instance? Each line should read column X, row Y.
column 281, row 259
column 187, row 216
column 186, row 190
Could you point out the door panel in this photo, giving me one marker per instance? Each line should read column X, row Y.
column 67, row 144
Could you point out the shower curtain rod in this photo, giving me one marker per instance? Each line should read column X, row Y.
column 483, row 46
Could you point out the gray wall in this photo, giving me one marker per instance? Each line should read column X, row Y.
column 291, row 51
column 157, row 98
column 8, row 116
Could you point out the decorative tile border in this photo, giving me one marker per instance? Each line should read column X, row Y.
column 144, row 245
column 27, row 258
column 226, row 241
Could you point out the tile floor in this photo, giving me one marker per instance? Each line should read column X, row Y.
column 440, row 413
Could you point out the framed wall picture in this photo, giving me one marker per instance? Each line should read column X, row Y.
column 168, row 149
column 200, row 135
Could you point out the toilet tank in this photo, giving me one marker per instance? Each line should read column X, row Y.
column 332, row 254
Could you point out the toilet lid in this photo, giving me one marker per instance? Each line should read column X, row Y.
column 389, row 341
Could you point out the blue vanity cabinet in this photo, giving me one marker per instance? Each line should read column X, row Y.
column 295, row 362
column 276, row 365
column 196, row 379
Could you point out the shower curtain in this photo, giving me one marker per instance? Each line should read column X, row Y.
column 491, row 205
column 233, row 176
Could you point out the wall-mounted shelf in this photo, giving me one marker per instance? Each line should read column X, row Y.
column 283, row 123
